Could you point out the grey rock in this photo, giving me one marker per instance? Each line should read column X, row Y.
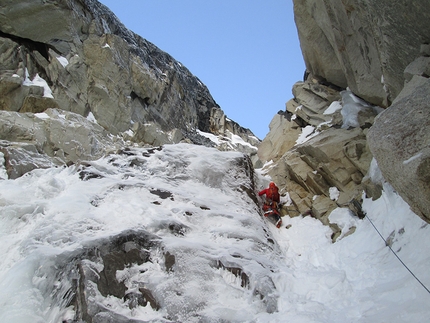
column 362, row 44
column 92, row 63
column 281, row 137
column 399, row 140
column 420, row 66
column 52, row 138
column 21, row 158
column 335, row 158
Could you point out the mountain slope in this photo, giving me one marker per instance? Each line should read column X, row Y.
column 174, row 234
column 77, row 56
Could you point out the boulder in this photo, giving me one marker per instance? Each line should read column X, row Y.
column 312, row 100
column 21, row 158
column 399, row 140
column 282, row 136
column 362, row 44
column 51, row 138
column 308, row 107
column 420, row 66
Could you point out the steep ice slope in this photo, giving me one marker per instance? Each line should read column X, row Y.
column 204, row 253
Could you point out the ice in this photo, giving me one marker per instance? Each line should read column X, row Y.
column 193, row 199
column 351, row 106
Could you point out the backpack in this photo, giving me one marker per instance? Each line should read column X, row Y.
column 272, row 194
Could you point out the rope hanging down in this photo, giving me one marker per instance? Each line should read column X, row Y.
column 388, row 245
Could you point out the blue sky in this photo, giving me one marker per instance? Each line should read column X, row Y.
column 245, row 51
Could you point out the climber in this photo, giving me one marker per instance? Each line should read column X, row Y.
column 271, row 203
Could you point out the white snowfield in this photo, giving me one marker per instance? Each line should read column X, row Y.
column 295, row 274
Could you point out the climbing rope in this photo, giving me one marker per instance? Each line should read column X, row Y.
column 388, row 245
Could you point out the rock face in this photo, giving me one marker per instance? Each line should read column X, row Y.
column 361, row 56
column 78, row 57
column 362, row 44
column 400, row 140
column 318, row 151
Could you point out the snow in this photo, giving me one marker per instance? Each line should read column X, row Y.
column 3, row 174
column 417, row 156
column 38, row 81
column 334, row 106
column 51, row 212
column 210, row 136
column 230, row 138
column 237, row 140
column 344, row 219
column 334, row 193
column 63, row 61
column 91, row 117
column 307, row 133
column 42, row 115
column 351, row 106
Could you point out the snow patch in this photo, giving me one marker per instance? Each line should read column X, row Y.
column 374, row 173
column 334, row 193
column 129, row 132
column 307, row 133
column 63, row 61
column 210, row 136
column 237, row 140
column 3, row 173
column 417, row 156
column 351, row 106
column 91, row 117
column 38, row 81
column 345, row 220
column 42, row 115
column 333, row 107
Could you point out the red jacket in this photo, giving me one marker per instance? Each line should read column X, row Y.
column 274, row 196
